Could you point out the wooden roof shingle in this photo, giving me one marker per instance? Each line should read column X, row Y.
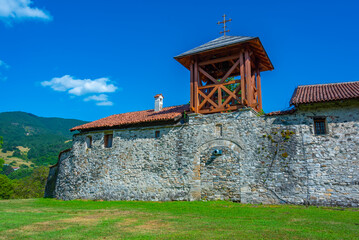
column 216, row 43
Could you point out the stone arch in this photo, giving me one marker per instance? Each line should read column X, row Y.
column 214, row 175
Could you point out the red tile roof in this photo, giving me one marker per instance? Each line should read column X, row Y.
column 325, row 92
column 169, row 113
column 157, row 95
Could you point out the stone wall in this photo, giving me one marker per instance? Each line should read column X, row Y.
column 235, row 156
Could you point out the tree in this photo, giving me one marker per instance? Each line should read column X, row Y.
column 32, row 186
column 6, row 187
column 1, row 160
column 1, row 164
column 6, row 170
column 20, row 173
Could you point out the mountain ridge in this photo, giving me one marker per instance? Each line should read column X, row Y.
column 45, row 136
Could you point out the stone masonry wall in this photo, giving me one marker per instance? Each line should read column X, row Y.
column 235, row 156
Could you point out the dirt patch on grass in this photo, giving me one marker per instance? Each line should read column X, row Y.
column 127, row 222
column 39, row 227
column 133, row 225
column 146, row 223
column 297, row 220
column 28, row 210
column 82, row 219
column 153, row 225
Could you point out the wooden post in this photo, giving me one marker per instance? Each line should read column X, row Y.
column 259, row 91
column 219, row 97
column 254, row 93
column 195, row 87
column 241, row 69
column 191, row 88
column 249, row 89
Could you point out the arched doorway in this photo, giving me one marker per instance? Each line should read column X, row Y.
column 217, row 171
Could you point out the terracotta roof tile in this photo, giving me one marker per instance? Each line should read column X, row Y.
column 325, row 92
column 157, row 95
column 169, row 113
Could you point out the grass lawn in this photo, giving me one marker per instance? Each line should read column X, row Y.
column 53, row 219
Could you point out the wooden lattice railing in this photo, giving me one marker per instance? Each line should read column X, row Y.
column 214, row 90
column 220, row 97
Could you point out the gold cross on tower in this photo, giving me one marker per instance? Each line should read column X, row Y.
column 224, row 24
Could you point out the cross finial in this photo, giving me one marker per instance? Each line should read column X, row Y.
column 224, row 24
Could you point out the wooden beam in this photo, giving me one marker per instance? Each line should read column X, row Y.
column 241, row 69
column 230, row 71
column 207, row 75
column 224, row 84
column 221, row 109
column 214, row 66
column 195, row 86
column 219, row 97
column 248, row 73
column 254, row 89
column 253, row 81
column 231, row 94
column 259, row 90
column 217, row 60
column 191, row 86
column 207, row 98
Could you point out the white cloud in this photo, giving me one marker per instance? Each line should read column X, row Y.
column 4, row 64
column 80, row 87
column 11, row 10
column 102, row 100
column 101, row 97
column 106, row 103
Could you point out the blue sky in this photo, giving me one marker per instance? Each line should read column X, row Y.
column 90, row 59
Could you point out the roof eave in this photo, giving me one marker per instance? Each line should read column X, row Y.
column 265, row 52
column 137, row 124
column 216, row 48
column 271, row 67
column 297, row 104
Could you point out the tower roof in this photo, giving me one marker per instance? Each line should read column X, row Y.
column 226, row 45
column 216, row 43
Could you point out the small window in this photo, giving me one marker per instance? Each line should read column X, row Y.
column 89, row 141
column 320, row 127
column 219, row 130
column 108, row 140
column 157, row 134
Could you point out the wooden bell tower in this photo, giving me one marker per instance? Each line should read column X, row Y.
column 225, row 74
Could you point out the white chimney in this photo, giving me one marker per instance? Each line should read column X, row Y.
column 158, row 102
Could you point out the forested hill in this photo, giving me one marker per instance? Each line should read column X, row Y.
column 45, row 137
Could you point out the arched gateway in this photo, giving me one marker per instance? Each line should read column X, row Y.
column 217, row 171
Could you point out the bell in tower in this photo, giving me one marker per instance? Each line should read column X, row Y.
column 225, row 73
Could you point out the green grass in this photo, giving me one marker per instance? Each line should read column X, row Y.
column 53, row 219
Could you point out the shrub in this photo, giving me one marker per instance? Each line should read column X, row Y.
column 6, row 187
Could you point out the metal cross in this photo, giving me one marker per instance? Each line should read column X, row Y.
column 224, row 24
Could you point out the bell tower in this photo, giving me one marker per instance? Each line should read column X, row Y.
column 225, row 74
